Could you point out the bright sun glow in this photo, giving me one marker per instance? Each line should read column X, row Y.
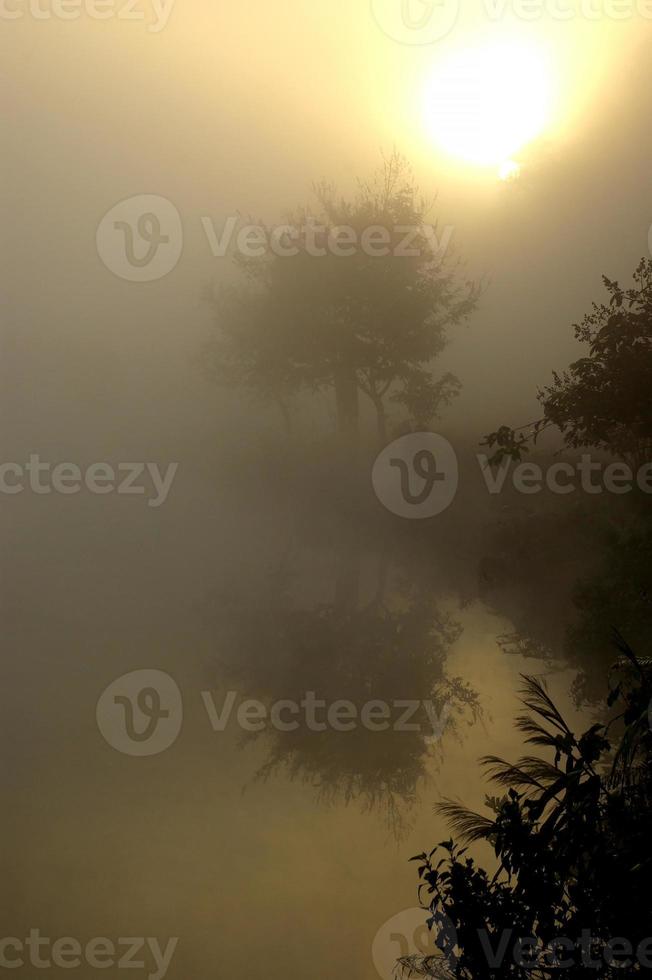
column 485, row 102
column 509, row 170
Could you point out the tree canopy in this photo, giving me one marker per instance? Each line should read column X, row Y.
column 364, row 317
column 603, row 399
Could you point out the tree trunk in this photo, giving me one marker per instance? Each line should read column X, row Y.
column 381, row 420
column 347, row 403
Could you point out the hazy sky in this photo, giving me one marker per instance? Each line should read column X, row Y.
column 240, row 107
column 224, row 108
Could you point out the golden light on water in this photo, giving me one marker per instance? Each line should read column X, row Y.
column 485, row 101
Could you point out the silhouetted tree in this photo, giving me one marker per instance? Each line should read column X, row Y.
column 572, row 842
column 603, row 399
column 371, row 320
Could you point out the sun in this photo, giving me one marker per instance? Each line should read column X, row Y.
column 509, row 170
column 484, row 102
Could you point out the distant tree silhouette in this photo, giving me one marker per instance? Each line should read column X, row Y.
column 362, row 322
column 603, row 399
column 572, row 843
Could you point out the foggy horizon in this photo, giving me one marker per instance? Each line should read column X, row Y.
column 247, row 462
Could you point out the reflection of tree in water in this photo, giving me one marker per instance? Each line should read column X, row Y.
column 533, row 558
column 534, row 565
column 383, row 650
column 600, row 402
column 616, row 596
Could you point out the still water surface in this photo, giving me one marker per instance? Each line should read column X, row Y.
column 279, row 854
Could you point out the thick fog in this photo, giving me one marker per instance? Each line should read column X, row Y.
column 235, row 111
